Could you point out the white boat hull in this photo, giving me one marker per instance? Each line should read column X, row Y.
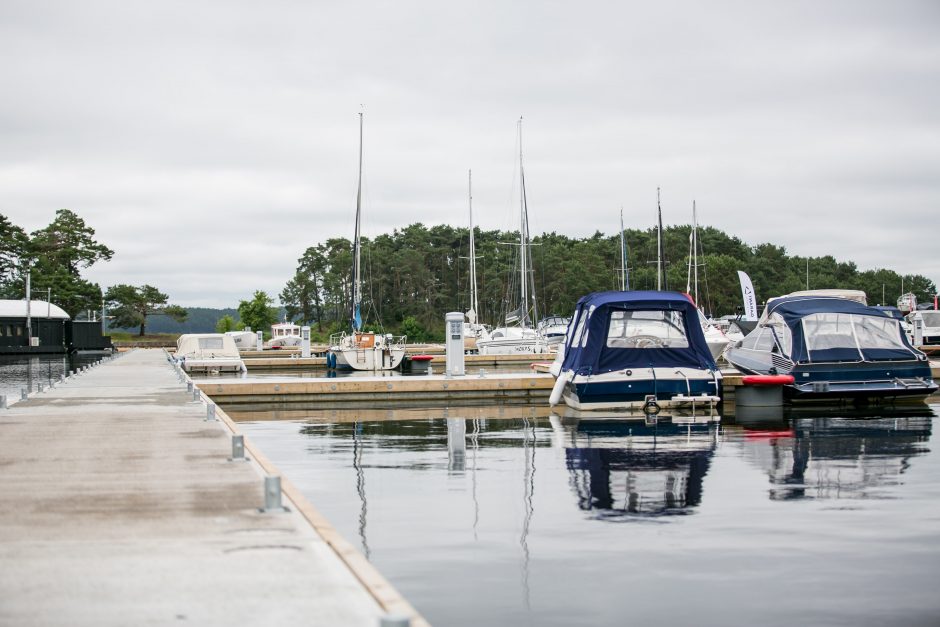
column 368, row 358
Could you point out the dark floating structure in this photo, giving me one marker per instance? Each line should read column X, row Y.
column 40, row 327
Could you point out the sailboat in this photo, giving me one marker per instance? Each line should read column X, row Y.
column 715, row 338
column 517, row 335
column 360, row 350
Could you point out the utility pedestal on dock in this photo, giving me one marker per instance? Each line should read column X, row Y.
column 454, row 329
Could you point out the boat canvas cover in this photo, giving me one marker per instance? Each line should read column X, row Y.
column 855, row 331
column 586, row 346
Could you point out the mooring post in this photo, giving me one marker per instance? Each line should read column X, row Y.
column 259, row 344
column 24, row 394
column 40, row 387
column 3, row 401
column 305, row 342
column 210, row 412
column 238, row 448
column 272, row 495
column 394, row 620
column 189, row 386
column 196, row 396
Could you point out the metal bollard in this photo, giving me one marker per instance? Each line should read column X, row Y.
column 62, row 378
column 394, row 620
column 3, row 401
column 40, row 387
column 238, row 449
column 196, row 396
column 24, row 394
column 272, row 495
column 210, row 412
column 189, row 386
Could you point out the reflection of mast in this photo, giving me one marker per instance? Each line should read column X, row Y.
column 360, row 485
column 528, row 493
column 475, row 445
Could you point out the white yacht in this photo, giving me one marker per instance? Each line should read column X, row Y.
column 284, row 335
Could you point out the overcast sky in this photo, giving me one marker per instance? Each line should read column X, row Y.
column 209, row 143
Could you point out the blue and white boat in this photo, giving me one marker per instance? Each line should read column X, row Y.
column 636, row 350
column 836, row 349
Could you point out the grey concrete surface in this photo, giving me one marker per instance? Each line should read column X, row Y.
column 118, row 506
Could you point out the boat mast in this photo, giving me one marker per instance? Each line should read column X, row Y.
column 624, row 277
column 659, row 245
column 523, row 241
column 356, row 279
column 472, row 314
column 693, row 258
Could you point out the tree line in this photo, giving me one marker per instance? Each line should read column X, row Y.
column 414, row 275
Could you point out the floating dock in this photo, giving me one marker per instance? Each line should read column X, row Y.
column 120, row 506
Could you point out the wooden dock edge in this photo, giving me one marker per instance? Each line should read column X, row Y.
column 388, row 598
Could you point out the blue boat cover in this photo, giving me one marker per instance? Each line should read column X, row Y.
column 794, row 308
column 595, row 357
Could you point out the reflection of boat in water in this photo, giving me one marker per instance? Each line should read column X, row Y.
column 634, row 468
column 831, row 458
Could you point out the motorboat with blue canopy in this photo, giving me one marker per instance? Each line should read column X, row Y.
column 636, row 349
column 836, row 349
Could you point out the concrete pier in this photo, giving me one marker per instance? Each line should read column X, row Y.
column 119, row 506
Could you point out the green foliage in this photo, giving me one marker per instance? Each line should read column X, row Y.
column 130, row 305
column 54, row 256
column 418, row 273
column 225, row 324
column 413, row 329
column 258, row 313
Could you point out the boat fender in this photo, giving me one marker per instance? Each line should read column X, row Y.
column 559, row 387
column 767, row 379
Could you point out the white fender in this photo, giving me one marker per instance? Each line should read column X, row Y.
column 559, row 387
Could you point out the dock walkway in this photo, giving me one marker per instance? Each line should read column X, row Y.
column 118, row 506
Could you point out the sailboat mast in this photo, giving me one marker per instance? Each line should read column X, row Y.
column 523, row 241
column 473, row 255
column 695, row 250
column 356, row 278
column 623, row 256
column 659, row 244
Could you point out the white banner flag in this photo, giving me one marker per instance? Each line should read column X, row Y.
column 747, row 293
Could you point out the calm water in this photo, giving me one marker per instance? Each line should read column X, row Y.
column 503, row 516
column 20, row 371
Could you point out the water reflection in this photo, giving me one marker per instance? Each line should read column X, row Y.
column 625, row 469
column 28, row 371
column 832, row 457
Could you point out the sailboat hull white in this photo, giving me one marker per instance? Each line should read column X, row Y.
column 372, row 359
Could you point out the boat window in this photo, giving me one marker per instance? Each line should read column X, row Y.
column 931, row 318
column 587, row 329
column 824, row 331
column 647, row 329
column 782, row 332
column 210, row 343
column 875, row 332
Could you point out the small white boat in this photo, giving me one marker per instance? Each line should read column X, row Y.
column 244, row 340
column 929, row 324
column 284, row 335
column 367, row 351
column 512, row 340
column 208, row 352
column 553, row 329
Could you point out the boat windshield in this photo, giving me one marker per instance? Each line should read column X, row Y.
column 210, row 343
column 839, row 335
column 646, row 329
